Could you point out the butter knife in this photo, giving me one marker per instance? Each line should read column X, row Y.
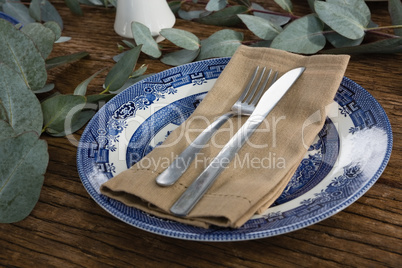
column 204, row 181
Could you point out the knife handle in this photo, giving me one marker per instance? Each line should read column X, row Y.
column 204, row 181
column 180, row 164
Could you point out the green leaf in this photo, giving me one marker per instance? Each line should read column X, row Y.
column 81, row 89
column 6, row 131
column 122, row 70
column 59, row 110
column 49, row 13
column 338, row 40
column 99, row 98
column 348, row 18
column 311, row 5
column 303, row 35
column 180, row 57
column 181, row 38
column 224, row 17
column 221, row 44
column 143, row 68
column 395, row 10
column 128, row 43
column 175, row 6
column 190, row 15
column 243, row 2
column 46, row 88
column 275, row 19
column 386, row 46
column 19, row 52
column 34, row 10
column 215, row 5
column 130, row 82
column 42, row 36
column 74, row 6
column 73, row 124
column 261, row 27
column 61, row 60
column 55, row 29
column 24, row 159
column 142, row 36
column 285, row 5
column 18, row 10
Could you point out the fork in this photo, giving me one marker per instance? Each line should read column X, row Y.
column 244, row 106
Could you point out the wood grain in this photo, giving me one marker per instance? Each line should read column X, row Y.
column 68, row 229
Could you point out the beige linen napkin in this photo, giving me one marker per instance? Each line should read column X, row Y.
column 262, row 168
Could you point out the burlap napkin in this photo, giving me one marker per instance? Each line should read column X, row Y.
column 263, row 167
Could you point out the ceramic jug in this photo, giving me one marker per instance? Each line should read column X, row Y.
column 155, row 14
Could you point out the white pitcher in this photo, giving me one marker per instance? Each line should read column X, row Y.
column 155, row 14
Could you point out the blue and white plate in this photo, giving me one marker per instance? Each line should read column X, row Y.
column 346, row 159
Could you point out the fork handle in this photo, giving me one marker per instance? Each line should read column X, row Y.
column 180, row 164
column 204, row 181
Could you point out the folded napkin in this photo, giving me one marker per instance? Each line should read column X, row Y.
column 262, row 168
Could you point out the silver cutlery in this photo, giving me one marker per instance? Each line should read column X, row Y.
column 244, row 106
column 204, row 181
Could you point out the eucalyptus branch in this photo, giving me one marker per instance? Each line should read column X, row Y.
column 289, row 15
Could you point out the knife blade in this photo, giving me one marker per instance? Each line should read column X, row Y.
column 204, row 181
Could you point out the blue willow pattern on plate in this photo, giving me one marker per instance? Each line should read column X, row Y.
column 318, row 189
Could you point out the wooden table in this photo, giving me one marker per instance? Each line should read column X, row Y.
column 68, row 229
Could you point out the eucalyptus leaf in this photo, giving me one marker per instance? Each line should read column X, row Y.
column 49, row 13
column 130, row 82
column 119, row 56
column 6, row 131
column 311, row 5
column 55, row 29
column 215, row 5
column 122, row 70
column 285, row 5
column 74, row 6
column 190, row 15
column 338, row 40
column 18, row 51
column 348, row 18
column 23, row 163
column 262, row 43
column 34, row 10
column 220, row 44
column 81, row 89
column 46, row 88
column 386, row 46
column 243, row 2
column 180, row 57
column 261, row 27
column 142, row 36
column 18, row 10
column 181, row 38
column 99, row 99
column 275, row 19
column 128, row 43
column 395, row 10
column 225, row 17
column 63, row 39
column 58, row 110
column 3, row 113
column 42, row 36
column 175, row 6
column 61, row 60
column 303, row 35
column 73, row 124
column 143, row 68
